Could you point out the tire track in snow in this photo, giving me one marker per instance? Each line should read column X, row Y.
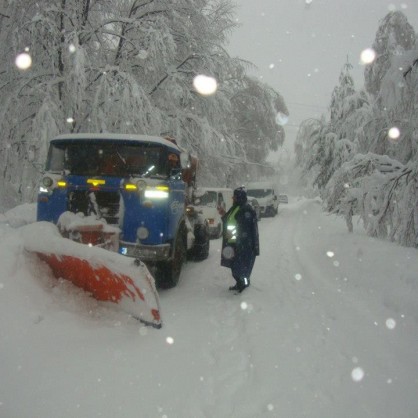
column 229, row 353
column 223, row 338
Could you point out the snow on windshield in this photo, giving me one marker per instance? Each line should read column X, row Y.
column 208, row 198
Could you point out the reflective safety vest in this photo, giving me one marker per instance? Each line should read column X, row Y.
column 231, row 226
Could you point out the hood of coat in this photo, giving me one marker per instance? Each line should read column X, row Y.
column 240, row 196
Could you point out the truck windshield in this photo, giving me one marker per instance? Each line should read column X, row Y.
column 259, row 192
column 108, row 158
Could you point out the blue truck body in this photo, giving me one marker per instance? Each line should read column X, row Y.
column 133, row 182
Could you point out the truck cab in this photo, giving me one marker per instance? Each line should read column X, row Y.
column 132, row 182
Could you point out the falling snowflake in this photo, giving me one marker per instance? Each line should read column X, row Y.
column 367, row 56
column 23, row 61
column 205, row 85
column 281, row 119
column 394, row 133
column 390, row 323
column 228, row 252
column 357, row 374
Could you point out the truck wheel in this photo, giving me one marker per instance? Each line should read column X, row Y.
column 200, row 249
column 167, row 273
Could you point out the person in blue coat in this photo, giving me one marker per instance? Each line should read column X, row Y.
column 240, row 243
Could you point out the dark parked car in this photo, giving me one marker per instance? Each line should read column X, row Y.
column 283, row 198
column 256, row 207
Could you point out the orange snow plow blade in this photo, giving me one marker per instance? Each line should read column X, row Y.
column 107, row 276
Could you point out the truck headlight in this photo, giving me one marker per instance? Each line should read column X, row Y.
column 47, row 182
column 158, row 192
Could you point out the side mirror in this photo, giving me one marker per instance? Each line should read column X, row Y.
column 185, row 160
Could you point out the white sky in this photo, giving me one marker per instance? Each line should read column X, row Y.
column 300, row 48
column 328, row 328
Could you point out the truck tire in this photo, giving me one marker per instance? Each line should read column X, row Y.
column 167, row 273
column 200, row 249
column 219, row 231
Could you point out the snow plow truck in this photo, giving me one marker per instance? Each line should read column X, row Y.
column 126, row 193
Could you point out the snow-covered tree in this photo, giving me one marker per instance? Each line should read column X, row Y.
column 257, row 132
column 121, row 66
column 364, row 160
column 308, row 150
column 348, row 107
column 334, row 142
column 383, row 194
column 394, row 36
column 344, row 89
column 399, row 97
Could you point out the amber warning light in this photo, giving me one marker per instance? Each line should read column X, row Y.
column 96, row 182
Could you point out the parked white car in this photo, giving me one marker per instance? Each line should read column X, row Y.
column 213, row 202
column 266, row 195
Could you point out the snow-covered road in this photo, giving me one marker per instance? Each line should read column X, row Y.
column 327, row 329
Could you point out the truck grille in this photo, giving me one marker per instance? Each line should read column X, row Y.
column 104, row 205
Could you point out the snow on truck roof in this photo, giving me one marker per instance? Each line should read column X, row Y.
column 118, row 137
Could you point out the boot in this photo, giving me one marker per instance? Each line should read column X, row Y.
column 242, row 284
column 241, row 287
